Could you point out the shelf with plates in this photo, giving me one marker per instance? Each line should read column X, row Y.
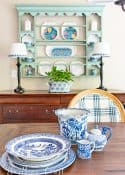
column 52, row 33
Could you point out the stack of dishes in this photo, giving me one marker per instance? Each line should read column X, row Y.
column 39, row 153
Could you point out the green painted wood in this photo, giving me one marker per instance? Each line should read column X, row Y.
column 51, row 10
column 36, row 10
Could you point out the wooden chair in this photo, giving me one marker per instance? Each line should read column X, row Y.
column 103, row 106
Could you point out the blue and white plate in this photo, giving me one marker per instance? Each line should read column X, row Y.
column 60, row 51
column 36, row 164
column 38, row 146
column 14, row 169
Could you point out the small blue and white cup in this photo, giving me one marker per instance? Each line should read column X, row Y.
column 85, row 149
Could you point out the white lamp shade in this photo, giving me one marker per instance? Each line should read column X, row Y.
column 18, row 50
column 101, row 49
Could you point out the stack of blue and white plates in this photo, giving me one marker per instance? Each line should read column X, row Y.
column 35, row 154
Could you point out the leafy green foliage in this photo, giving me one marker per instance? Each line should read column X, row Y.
column 59, row 75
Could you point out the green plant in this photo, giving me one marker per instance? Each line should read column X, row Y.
column 59, row 75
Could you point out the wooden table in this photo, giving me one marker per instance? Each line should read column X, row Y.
column 111, row 161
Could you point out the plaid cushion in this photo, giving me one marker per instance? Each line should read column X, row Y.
column 101, row 108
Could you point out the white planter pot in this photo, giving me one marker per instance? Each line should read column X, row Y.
column 59, row 86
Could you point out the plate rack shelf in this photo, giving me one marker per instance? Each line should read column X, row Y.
column 59, row 34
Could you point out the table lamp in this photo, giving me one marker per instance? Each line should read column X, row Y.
column 101, row 49
column 18, row 50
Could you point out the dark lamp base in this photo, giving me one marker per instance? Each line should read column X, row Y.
column 103, row 88
column 19, row 90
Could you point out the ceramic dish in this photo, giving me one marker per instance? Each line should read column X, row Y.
column 48, row 31
column 44, row 67
column 38, row 146
column 92, row 38
column 28, row 40
column 36, row 164
column 77, row 68
column 14, row 169
column 60, row 65
column 60, row 51
column 69, row 31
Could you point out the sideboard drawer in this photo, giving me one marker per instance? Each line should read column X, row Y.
column 29, row 113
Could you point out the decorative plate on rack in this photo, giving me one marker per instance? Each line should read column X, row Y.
column 61, row 65
column 43, row 67
column 27, row 39
column 38, row 146
column 60, row 51
column 92, row 38
column 77, row 68
column 70, row 31
column 49, row 32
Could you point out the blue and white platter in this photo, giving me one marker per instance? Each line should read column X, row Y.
column 38, row 146
column 59, row 167
column 60, row 51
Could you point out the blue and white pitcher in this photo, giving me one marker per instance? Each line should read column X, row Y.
column 73, row 123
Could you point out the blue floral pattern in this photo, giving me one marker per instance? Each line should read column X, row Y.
column 73, row 129
column 61, row 52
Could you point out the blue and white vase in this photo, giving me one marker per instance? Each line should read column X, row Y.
column 73, row 123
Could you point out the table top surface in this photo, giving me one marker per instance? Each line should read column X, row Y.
column 110, row 161
column 45, row 92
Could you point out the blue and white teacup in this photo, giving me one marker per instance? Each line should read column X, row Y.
column 85, row 149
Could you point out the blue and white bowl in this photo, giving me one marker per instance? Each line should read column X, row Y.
column 38, row 146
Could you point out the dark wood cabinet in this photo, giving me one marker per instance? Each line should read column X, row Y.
column 36, row 106
column 32, row 106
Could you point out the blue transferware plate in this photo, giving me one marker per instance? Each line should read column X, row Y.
column 60, row 51
column 38, row 146
column 14, row 169
column 36, row 164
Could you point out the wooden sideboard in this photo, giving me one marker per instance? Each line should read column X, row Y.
column 36, row 106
